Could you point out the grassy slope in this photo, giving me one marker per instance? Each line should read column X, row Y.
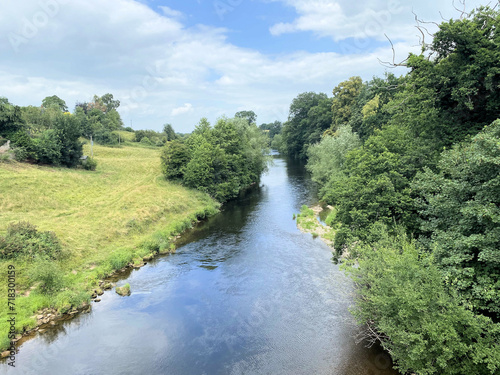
column 123, row 210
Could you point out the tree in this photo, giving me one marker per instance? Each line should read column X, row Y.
column 250, row 116
column 302, row 123
column 11, row 119
column 460, row 213
column 375, row 185
column 344, row 96
column 327, row 158
column 67, row 130
column 108, row 102
column 273, row 128
column 174, row 158
column 455, row 94
column 169, row 132
column 403, row 302
column 221, row 160
column 55, row 102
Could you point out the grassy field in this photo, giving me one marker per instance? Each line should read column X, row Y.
column 105, row 219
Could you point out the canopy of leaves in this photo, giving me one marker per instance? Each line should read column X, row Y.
column 460, row 213
column 221, row 160
column 327, row 157
column 310, row 115
column 402, row 300
column 55, row 102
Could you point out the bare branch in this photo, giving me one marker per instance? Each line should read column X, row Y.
column 462, row 11
column 393, row 64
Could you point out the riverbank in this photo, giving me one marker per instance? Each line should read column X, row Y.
column 120, row 215
column 307, row 222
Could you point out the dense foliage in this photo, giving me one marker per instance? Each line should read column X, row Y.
column 460, row 213
column 24, row 240
column 419, row 157
column 406, row 306
column 220, row 160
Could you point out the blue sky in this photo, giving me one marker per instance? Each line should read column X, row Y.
column 173, row 61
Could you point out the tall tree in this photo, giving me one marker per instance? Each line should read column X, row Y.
column 54, row 102
column 344, row 99
column 302, row 123
column 461, row 215
column 250, row 116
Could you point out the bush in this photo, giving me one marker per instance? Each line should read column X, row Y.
column 20, row 154
column 174, row 157
column 106, row 137
column 48, row 274
column 146, row 141
column 23, row 239
column 404, row 302
column 48, row 148
column 89, row 164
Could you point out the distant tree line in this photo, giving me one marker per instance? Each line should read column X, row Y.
column 50, row 134
column 411, row 165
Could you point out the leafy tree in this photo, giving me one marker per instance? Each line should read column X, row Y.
column 327, row 158
column 273, row 128
column 250, row 116
column 11, row 119
column 344, row 97
column 403, row 301
column 108, row 102
column 375, row 185
column 456, row 93
column 221, row 160
column 67, row 130
column 174, row 158
column 169, row 132
column 305, row 122
column 55, row 102
column 48, row 147
column 460, row 213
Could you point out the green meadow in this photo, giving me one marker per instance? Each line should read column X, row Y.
column 104, row 219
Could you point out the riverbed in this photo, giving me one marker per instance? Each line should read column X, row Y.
column 245, row 293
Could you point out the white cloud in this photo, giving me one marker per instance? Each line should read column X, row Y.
column 186, row 108
column 153, row 63
column 169, row 12
column 342, row 19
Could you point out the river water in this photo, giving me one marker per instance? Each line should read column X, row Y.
column 245, row 293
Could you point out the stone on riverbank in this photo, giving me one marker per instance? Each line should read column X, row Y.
column 124, row 290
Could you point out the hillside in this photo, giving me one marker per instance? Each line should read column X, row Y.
column 104, row 219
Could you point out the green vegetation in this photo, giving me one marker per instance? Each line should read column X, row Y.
column 406, row 306
column 84, row 225
column 308, row 222
column 411, row 165
column 220, row 161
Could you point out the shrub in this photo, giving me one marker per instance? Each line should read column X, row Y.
column 48, row 274
column 23, row 239
column 48, row 148
column 403, row 300
column 21, row 154
column 89, row 164
column 174, row 157
column 106, row 137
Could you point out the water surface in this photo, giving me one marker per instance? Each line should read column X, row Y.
column 246, row 293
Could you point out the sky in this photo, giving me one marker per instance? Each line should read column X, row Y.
column 176, row 61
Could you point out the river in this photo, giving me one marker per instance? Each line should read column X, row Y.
column 245, row 293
